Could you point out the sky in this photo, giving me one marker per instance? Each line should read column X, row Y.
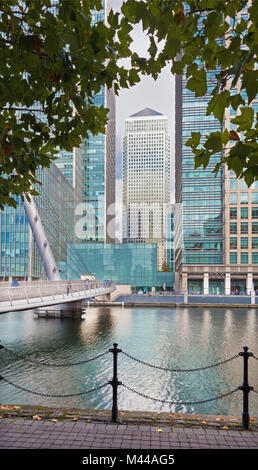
column 158, row 95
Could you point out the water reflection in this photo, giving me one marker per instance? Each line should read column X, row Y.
column 179, row 338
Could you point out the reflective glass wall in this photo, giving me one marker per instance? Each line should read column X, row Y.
column 198, row 190
column 128, row 264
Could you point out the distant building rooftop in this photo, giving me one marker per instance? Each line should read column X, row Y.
column 146, row 112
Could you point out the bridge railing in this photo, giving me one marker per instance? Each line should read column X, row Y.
column 51, row 288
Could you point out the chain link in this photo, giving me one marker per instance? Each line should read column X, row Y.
column 180, row 370
column 180, row 402
column 50, row 395
column 255, row 357
column 54, row 365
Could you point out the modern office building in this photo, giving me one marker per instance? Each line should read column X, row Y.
column 91, row 168
column 19, row 256
column 240, row 211
column 130, row 264
column 216, row 219
column 146, row 179
column 99, row 165
column 71, row 166
column 98, row 176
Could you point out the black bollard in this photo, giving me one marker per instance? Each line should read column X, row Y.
column 115, row 383
column 245, row 388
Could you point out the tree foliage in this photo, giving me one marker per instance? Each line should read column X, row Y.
column 165, row 267
column 54, row 58
column 200, row 36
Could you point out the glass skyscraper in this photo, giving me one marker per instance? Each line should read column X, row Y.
column 199, row 192
column 98, row 177
column 91, row 169
column 216, row 246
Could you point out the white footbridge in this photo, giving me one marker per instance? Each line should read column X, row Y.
column 68, row 296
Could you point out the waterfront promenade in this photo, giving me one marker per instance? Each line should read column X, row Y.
column 190, row 300
column 37, row 429
column 21, row 433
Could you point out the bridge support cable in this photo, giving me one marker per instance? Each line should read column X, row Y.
column 57, row 225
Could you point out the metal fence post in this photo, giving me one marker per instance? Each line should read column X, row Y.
column 115, row 382
column 245, row 388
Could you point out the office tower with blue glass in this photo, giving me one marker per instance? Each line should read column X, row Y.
column 216, row 218
column 19, row 256
column 199, row 193
column 98, row 176
column 91, row 168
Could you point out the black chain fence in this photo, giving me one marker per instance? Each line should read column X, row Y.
column 50, row 395
column 115, row 382
column 181, row 370
column 46, row 364
column 180, row 402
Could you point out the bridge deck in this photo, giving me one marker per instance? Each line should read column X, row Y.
column 31, row 295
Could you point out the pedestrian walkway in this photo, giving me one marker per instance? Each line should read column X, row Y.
column 22, row 433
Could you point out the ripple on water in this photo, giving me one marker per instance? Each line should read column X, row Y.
column 170, row 338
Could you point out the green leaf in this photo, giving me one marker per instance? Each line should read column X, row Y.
column 245, row 120
column 194, row 140
column 198, row 83
column 250, row 83
column 236, row 100
column 217, row 105
column 214, row 142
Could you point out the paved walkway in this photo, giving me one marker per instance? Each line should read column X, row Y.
column 21, row 433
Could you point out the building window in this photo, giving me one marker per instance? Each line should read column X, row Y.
column 233, row 198
column 255, row 213
column 233, row 227
column 244, row 258
column 255, row 227
column 244, row 213
column 243, row 184
column 233, row 243
column 255, row 198
column 233, row 213
column 244, row 198
column 233, row 258
column 244, row 227
column 233, row 183
column 255, row 257
column 255, row 242
column 244, row 243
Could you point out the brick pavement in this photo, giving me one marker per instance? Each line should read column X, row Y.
column 21, row 433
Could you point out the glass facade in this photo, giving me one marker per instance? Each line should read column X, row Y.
column 199, row 192
column 241, row 201
column 15, row 241
column 91, row 169
column 55, row 203
column 128, row 264
column 94, row 177
column 99, row 161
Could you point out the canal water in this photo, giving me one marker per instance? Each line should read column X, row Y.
column 170, row 338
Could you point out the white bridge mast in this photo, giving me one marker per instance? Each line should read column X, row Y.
column 41, row 240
